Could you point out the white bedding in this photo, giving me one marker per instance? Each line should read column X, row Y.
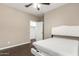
column 58, row 46
column 34, row 52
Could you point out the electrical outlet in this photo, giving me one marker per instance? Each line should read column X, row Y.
column 8, row 42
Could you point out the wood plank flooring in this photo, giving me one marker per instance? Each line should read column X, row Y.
column 23, row 50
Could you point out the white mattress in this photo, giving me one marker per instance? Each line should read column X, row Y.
column 58, row 46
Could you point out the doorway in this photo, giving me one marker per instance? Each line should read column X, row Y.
column 36, row 30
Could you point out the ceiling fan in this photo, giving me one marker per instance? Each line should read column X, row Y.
column 37, row 5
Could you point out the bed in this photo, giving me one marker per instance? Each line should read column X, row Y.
column 56, row 46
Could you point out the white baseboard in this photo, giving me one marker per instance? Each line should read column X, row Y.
column 13, row 46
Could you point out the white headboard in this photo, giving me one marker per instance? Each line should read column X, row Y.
column 66, row 31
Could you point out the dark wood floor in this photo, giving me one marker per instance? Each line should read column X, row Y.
column 23, row 50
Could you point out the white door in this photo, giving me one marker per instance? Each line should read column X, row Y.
column 39, row 31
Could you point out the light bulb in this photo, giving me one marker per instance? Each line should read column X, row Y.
column 35, row 5
column 38, row 5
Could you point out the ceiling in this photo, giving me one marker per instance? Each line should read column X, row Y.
column 33, row 11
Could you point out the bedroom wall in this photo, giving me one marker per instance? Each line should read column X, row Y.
column 14, row 26
column 67, row 14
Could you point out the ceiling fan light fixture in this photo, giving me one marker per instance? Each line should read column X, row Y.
column 37, row 6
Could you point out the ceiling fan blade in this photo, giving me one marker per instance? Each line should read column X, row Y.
column 28, row 5
column 45, row 3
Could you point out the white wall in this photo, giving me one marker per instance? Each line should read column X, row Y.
column 14, row 26
column 65, row 15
